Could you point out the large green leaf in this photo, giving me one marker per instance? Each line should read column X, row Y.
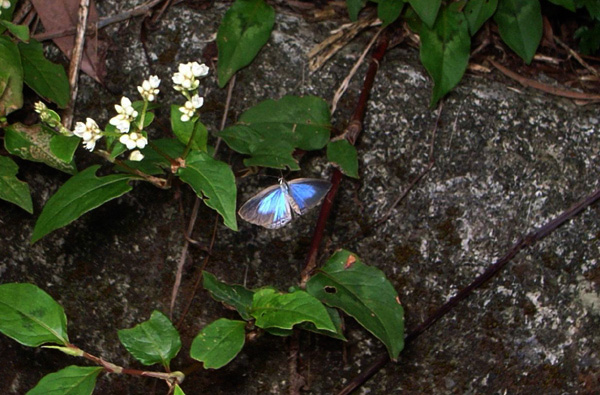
column 273, row 309
column 72, row 380
column 152, row 341
column 47, row 79
column 335, row 318
column 426, row 9
column 344, row 155
column 11, row 188
column 11, row 77
column 272, row 129
column 478, row 12
column 213, row 179
column 218, row 343
column 81, row 193
column 64, row 147
column 568, row 4
column 184, row 130
column 445, row 50
column 244, row 30
column 364, row 293
column 235, row 296
column 389, row 10
column 30, row 316
column 520, row 26
column 35, row 143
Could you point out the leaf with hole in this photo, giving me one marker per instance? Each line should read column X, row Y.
column 81, row 193
column 11, row 188
column 72, row 380
column 31, row 316
column 363, row 292
column 244, row 30
column 152, row 341
column 219, row 342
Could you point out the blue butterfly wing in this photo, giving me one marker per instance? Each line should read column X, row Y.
column 306, row 193
column 269, row 208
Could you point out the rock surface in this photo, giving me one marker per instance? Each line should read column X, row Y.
column 507, row 161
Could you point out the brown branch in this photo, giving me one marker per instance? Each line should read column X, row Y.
column 351, row 134
column 522, row 243
column 76, row 56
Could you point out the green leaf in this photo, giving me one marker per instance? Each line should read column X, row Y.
column 337, row 322
column 273, row 309
column 154, row 156
column 389, row 10
column 589, row 39
column 272, row 129
column 235, row 296
column 354, row 7
column 11, row 77
column 213, row 179
column 218, row 343
column 426, row 9
column 19, row 31
column 568, row 4
column 81, row 193
column 47, row 79
column 64, row 147
column 178, row 390
column 152, row 341
column 520, row 26
column 343, row 154
column 34, row 143
column 478, row 12
column 244, row 30
column 592, row 6
column 72, row 380
column 30, row 316
column 7, row 15
column 364, row 293
column 183, row 130
column 11, row 188
column 445, row 51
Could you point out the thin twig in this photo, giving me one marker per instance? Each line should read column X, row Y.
column 577, row 57
column 76, row 56
column 522, row 243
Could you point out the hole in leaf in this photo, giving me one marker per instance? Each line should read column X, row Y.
column 330, row 290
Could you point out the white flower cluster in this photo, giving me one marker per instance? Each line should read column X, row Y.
column 149, row 88
column 89, row 132
column 186, row 81
column 125, row 115
column 4, row 4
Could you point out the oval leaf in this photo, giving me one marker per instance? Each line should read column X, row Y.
column 213, row 179
column 245, row 29
column 30, row 316
column 478, row 12
column 11, row 77
column 426, row 9
column 445, row 51
column 235, row 296
column 11, row 188
column 219, row 342
column 35, row 143
column 72, row 380
column 273, row 309
column 389, row 10
column 47, row 79
column 152, row 341
column 364, row 293
column 343, row 154
column 184, row 130
column 520, row 26
column 81, row 193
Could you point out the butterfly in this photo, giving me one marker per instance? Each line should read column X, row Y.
column 274, row 206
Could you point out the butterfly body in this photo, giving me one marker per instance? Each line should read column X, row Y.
column 275, row 206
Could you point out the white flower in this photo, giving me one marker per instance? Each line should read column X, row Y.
column 126, row 114
column 190, row 107
column 199, row 70
column 89, row 132
column 149, row 88
column 5, row 4
column 136, row 156
column 185, row 78
column 133, row 140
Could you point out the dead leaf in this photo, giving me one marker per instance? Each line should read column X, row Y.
column 60, row 15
